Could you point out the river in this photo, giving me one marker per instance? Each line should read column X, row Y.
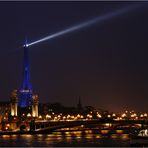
column 84, row 138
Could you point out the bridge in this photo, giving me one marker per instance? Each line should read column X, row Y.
column 42, row 126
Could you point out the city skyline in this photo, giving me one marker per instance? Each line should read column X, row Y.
column 104, row 64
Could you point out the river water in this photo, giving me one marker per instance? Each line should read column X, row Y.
column 85, row 138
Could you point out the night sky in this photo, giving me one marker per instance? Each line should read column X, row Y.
column 105, row 64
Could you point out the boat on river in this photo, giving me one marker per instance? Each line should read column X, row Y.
column 139, row 138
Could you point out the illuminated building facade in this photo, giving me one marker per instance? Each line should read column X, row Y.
column 13, row 103
column 35, row 102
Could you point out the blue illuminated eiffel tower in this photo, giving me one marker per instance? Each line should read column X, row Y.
column 25, row 92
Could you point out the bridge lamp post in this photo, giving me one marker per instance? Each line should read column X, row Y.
column 145, row 115
column 114, row 115
column 89, row 116
column 141, row 116
column 28, row 115
column 123, row 115
column 64, row 117
column 99, row 116
column 68, row 116
column 55, row 118
column 109, row 116
column 78, row 115
column 48, row 116
column 82, row 117
column 40, row 117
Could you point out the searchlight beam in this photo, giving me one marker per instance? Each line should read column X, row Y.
column 87, row 23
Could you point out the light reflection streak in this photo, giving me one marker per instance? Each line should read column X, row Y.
column 98, row 136
column 119, row 131
column 89, row 136
column 125, row 136
column 104, row 131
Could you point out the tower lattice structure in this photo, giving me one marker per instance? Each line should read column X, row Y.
column 25, row 92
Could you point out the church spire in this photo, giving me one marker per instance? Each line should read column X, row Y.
column 79, row 106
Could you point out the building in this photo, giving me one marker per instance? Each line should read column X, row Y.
column 4, row 108
column 13, row 103
column 35, row 102
column 4, row 111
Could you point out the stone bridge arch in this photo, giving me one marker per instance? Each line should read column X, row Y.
column 126, row 125
column 24, row 126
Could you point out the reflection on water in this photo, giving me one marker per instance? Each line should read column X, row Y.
column 67, row 138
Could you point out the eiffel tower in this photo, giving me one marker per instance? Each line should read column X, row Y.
column 25, row 92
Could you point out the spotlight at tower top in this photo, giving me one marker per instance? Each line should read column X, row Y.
column 26, row 45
